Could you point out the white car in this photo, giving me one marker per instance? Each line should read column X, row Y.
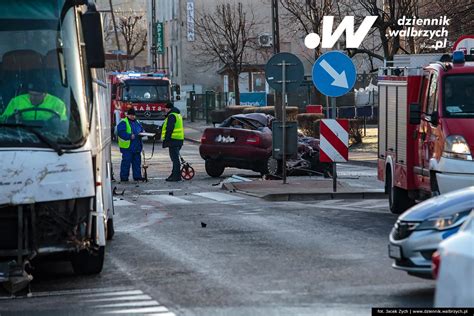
column 453, row 265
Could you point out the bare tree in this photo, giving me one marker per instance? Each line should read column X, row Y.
column 225, row 36
column 388, row 13
column 133, row 30
column 307, row 16
column 458, row 11
column 115, row 29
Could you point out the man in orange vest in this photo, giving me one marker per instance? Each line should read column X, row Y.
column 131, row 146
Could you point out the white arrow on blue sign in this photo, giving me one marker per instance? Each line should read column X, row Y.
column 334, row 74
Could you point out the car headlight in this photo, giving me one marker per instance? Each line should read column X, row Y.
column 443, row 223
column 456, row 147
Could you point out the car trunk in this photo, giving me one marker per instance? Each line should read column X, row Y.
column 232, row 136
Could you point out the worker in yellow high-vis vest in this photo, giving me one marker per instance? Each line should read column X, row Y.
column 172, row 135
column 35, row 105
column 130, row 143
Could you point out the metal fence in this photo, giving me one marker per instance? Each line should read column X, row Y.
column 350, row 112
column 200, row 106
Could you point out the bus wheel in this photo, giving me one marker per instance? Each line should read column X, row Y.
column 90, row 261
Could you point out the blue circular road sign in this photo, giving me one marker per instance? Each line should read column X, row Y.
column 294, row 72
column 334, row 74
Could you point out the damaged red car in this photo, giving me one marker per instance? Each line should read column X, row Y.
column 245, row 141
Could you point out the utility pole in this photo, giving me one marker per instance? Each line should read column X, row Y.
column 276, row 50
column 116, row 32
column 275, row 27
column 153, row 35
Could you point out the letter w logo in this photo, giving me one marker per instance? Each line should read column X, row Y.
column 353, row 39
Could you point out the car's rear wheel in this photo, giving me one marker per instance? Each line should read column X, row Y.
column 214, row 168
column 273, row 166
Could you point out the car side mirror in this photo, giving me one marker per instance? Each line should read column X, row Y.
column 92, row 30
column 415, row 113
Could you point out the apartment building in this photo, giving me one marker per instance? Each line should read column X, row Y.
column 179, row 56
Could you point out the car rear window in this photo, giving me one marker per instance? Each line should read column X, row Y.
column 242, row 123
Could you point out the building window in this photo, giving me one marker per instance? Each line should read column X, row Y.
column 172, row 61
column 177, row 62
column 167, row 59
column 258, row 82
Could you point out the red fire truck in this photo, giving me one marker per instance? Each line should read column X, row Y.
column 426, row 119
column 147, row 93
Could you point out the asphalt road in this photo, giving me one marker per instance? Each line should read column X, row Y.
column 190, row 248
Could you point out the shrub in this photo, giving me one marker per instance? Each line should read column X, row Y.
column 291, row 111
column 218, row 116
column 250, row 110
column 235, row 109
column 355, row 131
column 308, row 123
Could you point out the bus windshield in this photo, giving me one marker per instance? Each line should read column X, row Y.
column 458, row 96
column 41, row 82
column 142, row 91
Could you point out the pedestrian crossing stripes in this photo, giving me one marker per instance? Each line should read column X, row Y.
column 366, row 205
column 168, row 199
column 108, row 301
column 133, row 302
column 219, row 197
column 195, row 198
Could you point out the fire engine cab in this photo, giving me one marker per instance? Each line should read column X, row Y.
column 147, row 93
column 426, row 126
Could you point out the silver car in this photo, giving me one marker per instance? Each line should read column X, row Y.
column 418, row 232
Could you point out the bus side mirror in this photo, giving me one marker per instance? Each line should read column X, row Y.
column 415, row 113
column 92, row 29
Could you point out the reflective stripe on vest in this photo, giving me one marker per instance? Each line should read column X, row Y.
column 178, row 131
column 125, row 144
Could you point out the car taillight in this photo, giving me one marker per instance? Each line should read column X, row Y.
column 435, row 264
column 203, row 139
column 253, row 140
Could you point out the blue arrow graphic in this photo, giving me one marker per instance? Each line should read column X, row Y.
column 340, row 79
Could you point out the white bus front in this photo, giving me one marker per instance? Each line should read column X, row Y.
column 51, row 146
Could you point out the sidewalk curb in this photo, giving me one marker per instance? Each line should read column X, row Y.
column 285, row 197
column 230, row 187
column 363, row 163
